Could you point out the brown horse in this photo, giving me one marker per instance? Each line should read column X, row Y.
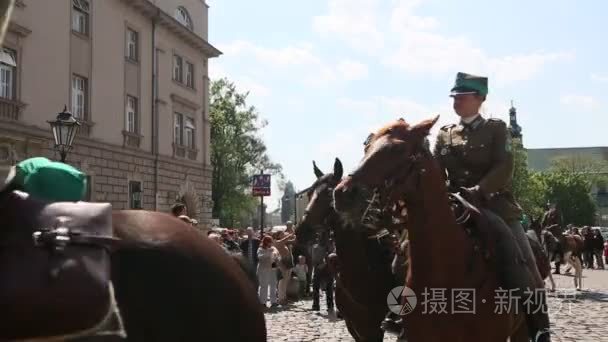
column 364, row 277
column 567, row 248
column 171, row 282
column 442, row 256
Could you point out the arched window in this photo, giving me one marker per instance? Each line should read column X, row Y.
column 181, row 14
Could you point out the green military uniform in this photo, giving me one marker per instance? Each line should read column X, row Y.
column 478, row 154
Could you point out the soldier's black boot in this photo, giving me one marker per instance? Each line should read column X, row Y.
column 315, row 301
column 392, row 323
column 315, row 294
column 543, row 336
column 315, row 304
column 538, row 320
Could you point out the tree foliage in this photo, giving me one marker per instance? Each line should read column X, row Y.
column 567, row 184
column 287, row 202
column 237, row 151
column 571, row 192
column 528, row 187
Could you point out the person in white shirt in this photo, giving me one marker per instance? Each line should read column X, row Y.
column 301, row 270
column 266, row 271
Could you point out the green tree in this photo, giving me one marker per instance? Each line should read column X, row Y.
column 237, row 152
column 287, row 202
column 527, row 186
column 593, row 169
column 571, row 192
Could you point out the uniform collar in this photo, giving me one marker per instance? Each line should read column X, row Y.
column 469, row 119
column 472, row 122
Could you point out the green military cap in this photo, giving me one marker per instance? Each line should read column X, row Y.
column 470, row 84
column 48, row 180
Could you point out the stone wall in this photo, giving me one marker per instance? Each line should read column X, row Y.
column 111, row 168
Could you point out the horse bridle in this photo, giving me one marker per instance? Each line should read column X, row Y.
column 385, row 196
column 332, row 217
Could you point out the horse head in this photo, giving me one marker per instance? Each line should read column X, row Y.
column 388, row 166
column 319, row 208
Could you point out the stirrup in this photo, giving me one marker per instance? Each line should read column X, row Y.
column 392, row 326
column 541, row 333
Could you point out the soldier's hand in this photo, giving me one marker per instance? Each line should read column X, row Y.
column 473, row 195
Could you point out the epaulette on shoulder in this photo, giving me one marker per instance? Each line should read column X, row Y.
column 495, row 120
column 446, row 127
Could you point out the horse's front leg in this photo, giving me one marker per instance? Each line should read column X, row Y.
column 578, row 272
column 552, row 282
column 568, row 261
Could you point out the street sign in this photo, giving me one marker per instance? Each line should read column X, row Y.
column 261, row 185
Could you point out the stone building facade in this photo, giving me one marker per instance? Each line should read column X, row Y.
column 135, row 74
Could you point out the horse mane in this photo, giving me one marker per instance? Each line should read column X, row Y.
column 320, row 180
column 398, row 126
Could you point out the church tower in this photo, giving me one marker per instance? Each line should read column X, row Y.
column 514, row 127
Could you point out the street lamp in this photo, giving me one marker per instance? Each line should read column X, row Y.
column 64, row 128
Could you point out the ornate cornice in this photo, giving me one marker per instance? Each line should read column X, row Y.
column 184, row 101
column 154, row 13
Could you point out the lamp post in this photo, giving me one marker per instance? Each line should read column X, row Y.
column 65, row 127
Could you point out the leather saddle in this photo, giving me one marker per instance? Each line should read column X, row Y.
column 54, row 267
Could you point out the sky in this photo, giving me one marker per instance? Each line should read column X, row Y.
column 326, row 73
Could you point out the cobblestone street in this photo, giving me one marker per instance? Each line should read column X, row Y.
column 580, row 317
column 575, row 317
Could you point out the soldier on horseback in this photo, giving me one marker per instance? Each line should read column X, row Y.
column 476, row 153
column 554, row 219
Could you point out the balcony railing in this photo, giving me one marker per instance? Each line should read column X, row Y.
column 10, row 110
column 131, row 139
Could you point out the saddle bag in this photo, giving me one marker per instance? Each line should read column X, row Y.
column 54, row 270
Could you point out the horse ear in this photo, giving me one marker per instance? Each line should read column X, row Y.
column 425, row 126
column 338, row 170
column 318, row 172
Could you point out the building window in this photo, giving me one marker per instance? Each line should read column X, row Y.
column 132, row 45
column 178, row 133
column 178, row 68
column 189, row 133
column 132, row 117
column 190, row 74
column 181, row 15
column 8, row 66
column 80, row 16
column 135, row 190
column 79, row 97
